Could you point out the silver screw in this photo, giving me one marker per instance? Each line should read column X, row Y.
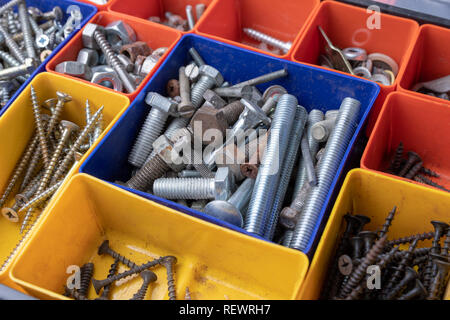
column 39, row 126
column 257, row 35
column 218, row 188
column 196, row 57
column 152, row 128
column 231, row 210
column 199, row 10
column 9, row 5
column 12, row 45
column 286, row 169
column 190, row 17
column 206, row 82
column 337, row 144
column 26, row 30
column 26, row 68
column 267, row 180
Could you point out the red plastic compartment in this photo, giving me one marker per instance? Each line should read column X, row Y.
column 422, row 125
column 283, row 20
column 429, row 60
column 148, row 8
column 346, row 26
column 155, row 35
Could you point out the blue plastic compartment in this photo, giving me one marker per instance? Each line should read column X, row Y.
column 314, row 88
column 88, row 12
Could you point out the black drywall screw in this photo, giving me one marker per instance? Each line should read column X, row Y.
column 401, row 266
column 410, row 275
column 429, row 172
column 74, row 294
column 98, row 284
column 396, row 162
column 412, row 159
column 107, row 289
column 420, row 237
column 368, row 238
column 440, row 228
column 388, row 222
column 443, row 267
column 105, row 248
column 360, row 271
column 87, row 270
column 168, row 262
column 446, row 248
column 414, row 170
column 364, row 220
column 418, row 291
column 148, row 277
column 357, row 247
column 422, row 179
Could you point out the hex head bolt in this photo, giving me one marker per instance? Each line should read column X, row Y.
column 209, row 78
column 26, row 30
column 218, row 188
column 360, row 271
column 87, row 270
column 269, row 171
column 337, row 144
column 231, row 210
column 152, row 127
column 413, row 158
column 97, row 32
column 265, row 38
column 314, row 116
column 287, row 166
column 388, row 222
column 106, row 249
column 99, row 284
column 168, row 262
column 12, row 45
column 185, row 108
column 148, row 277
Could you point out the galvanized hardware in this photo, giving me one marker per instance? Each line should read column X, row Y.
column 265, row 38
column 335, row 55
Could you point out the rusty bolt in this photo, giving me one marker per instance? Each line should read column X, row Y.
column 133, row 50
column 209, row 118
column 173, row 88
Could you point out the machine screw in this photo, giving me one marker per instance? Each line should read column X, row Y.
column 285, row 46
column 148, row 277
column 265, row 186
column 346, row 124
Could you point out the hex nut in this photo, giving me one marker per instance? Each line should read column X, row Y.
column 105, row 77
column 212, row 73
column 88, row 56
column 147, row 66
column 88, row 35
column 75, row 69
column 160, row 102
column 119, row 33
column 133, row 50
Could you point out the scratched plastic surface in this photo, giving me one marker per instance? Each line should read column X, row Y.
column 213, row 262
column 88, row 12
column 364, row 192
column 315, row 88
column 17, row 126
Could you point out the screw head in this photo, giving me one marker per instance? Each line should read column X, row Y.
column 68, row 125
column 345, row 264
column 63, row 97
column 10, row 214
column 104, row 248
column 224, row 211
column 148, row 276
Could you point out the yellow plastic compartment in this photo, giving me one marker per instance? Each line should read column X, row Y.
column 17, row 126
column 374, row 195
column 215, row 263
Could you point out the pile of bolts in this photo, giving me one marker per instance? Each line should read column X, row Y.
column 376, row 66
column 407, row 272
column 177, row 22
column 112, row 57
column 148, row 276
column 28, row 37
column 176, row 158
column 412, row 168
column 55, row 147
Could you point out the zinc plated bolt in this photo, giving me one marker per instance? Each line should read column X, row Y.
column 148, row 277
column 263, row 79
column 346, row 124
column 257, row 35
column 269, row 171
column 231, row 210
column 185, row 108
column 218, row 188
column 26, row 29
column 190, row 17
column 196, row 57
column 287, row 166
column 209, row 78
column 12, row 45
column 27, row 67
column 152, row 128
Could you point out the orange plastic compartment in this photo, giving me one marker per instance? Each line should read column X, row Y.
column 422, row 125
column 429, row 60
column 154, row 35
column 150, row 8
column 365, row 192
column 283, row 20
column 100, row 7
column 346, row 26
column 215, row 263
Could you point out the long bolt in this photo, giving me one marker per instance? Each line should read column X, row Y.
column 309, row 162
column 346, row 124
column 286, row 169
column 257, row 35
column 113, row 61
column 154, row 168
column 269, row 171
column 26, row 29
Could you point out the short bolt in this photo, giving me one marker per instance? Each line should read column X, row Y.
column 209, row 78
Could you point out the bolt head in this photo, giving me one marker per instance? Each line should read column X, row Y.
column 225, row 211
column 119, row 33
column 148, row 276
column 31, row 64
column 88, row 57
column 192, row 72
column 88, row 35
column 223, row 183
column 160, row 102
column 319, row 132
column 75, row 69
column 212, row 73
column 214, row 100
column 209, row 118
column 10, row 214
column 414, row 156
column 253, row 114
column 57, row 13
